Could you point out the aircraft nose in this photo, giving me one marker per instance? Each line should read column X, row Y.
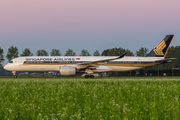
column 6, row 67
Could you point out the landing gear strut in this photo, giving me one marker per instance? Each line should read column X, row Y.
column 87, row 76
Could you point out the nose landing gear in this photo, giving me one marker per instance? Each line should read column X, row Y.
column 14, row 73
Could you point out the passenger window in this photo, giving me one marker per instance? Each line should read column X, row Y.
column 11, row 62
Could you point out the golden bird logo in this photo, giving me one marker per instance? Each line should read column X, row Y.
column 159, row 49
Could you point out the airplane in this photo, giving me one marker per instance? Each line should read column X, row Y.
column 70, row 65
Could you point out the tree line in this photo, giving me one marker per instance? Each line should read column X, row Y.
column 14, row 53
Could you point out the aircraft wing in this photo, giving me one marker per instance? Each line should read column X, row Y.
column 99, row 62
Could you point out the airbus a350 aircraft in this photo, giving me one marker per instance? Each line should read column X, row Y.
column 70, row 65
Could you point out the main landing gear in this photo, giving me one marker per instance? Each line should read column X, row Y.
column 89, row 73
column 87, row 76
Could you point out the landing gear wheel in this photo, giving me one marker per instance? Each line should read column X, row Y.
column 86, row 76
column 15, row 76
column 91, row 76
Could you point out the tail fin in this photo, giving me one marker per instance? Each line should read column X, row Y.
column 161, row 49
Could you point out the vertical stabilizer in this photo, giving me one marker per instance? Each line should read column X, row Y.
column 161, row 49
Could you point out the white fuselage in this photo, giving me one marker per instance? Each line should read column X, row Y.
column 52, row 63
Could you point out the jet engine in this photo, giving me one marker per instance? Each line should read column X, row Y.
column 67, row 70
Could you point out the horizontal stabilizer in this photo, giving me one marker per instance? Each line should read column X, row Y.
column 168, row 60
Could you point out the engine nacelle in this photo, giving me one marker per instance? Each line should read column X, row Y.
column 67, row 70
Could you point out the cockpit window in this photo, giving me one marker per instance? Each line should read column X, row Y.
column 11, row 62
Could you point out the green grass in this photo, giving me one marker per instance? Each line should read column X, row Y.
column 99, row 98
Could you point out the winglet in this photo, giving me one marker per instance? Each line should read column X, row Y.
column 124, row 54
column 106, row 60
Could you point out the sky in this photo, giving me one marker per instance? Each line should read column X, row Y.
column 87, row 24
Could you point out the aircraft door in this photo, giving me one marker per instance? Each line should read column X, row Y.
column 52, row 62
column 20, row 61
column 138, row 62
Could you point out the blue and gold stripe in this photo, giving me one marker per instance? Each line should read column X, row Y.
column 111, row 63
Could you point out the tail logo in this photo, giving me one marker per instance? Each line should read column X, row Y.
column 159, row 49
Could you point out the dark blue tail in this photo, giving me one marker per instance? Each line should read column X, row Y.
column 161, row 49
